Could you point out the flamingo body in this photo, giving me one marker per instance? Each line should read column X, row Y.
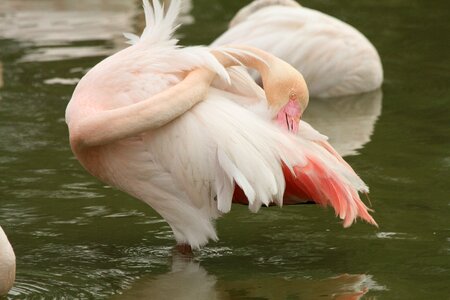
column 7, row 264
column 334, row 58
column 189, row 168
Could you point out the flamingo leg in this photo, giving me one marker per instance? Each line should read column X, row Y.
column 184, row 249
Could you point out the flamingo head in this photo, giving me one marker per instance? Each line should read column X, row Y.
column 289, row 115
column 289, row 99
column 285, row 88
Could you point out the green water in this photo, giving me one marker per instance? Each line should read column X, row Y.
column 76, row 238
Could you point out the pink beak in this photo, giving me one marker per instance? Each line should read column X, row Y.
column 289, row 116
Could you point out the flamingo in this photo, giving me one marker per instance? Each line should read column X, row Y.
column 186, row 131
column 7, row 264
column 334, row 57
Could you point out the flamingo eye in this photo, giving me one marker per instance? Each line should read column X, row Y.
column 292, row 96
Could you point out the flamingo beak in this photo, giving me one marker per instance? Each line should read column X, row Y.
column 289, row 116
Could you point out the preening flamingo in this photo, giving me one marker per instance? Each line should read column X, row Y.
column 7, row 264
column 185, row 131
column 334, row 58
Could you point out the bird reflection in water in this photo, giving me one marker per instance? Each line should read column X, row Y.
column 349, row 121
column 188, row 280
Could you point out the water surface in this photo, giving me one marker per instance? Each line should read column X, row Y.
column 74, row 237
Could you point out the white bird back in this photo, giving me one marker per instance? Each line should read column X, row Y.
column 7, row 264
column 334, row 58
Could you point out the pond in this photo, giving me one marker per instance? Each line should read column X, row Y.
column 74, row 237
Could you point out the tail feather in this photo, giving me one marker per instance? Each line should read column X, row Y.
column 324, row 180
column 159, row 26
column 326, row 188
column 361, row 185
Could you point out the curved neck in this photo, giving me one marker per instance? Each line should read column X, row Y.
column 281, row 82
column 250, row 57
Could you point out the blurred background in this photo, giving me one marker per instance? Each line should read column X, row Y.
column 76, row 238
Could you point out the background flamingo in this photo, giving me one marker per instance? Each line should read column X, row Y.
column 334, row 57
column 7, row 264
column 154, row 121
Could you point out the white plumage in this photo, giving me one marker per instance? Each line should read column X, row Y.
column 7, row 264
